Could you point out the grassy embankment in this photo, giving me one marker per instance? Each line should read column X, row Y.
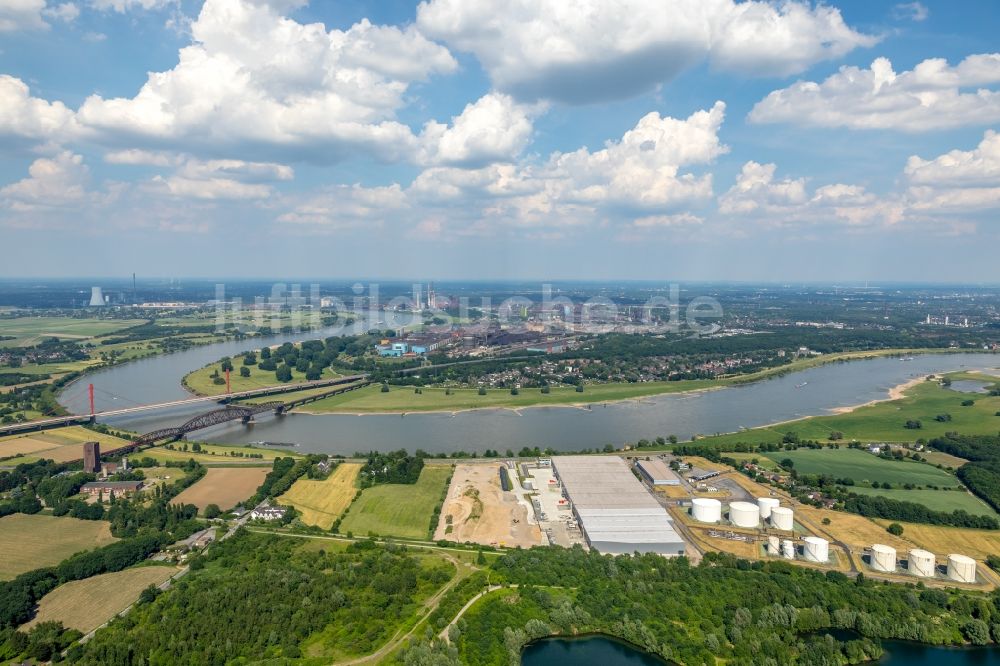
column 201, row 381
column 401, row 510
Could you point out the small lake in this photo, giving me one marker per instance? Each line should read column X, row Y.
column 970, row 386
column 603, row 651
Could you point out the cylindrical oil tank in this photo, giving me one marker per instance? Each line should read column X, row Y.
column 773, row 545
column 816, row 549
column 788, row 549
column 883, row 558
column 706, row 510
column 922, row 563
column 961, row 568
column 744, row 514
column 782, row 518
column 766, row 504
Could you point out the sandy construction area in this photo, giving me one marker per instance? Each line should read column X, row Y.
column 481, row 512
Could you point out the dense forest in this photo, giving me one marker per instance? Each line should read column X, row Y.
column 739, row 611
column 392, row 467
column 258, row 597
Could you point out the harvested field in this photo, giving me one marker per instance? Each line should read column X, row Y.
column 224, row 486
column 87, row 604
column 60, row 444
column 31, row 541
column 321, row 503
column 856, row 531
column 944, row 540
column 481, row 512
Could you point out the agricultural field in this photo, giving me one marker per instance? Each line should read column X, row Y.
column 400, row 510
column 321, row 503
column 87, row 604
column 201, row 382
column 31, row 541
column 885, row 421
column 58, row 444
column 32, row 330
column 938, row 500
column 862, row 466
column 217, row 454
column 223, row 486
column 943, row 540
column 856, row 531
column 478, row 510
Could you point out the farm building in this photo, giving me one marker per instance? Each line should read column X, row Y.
column 119, row 488
column 657, row 473
column 616, row 512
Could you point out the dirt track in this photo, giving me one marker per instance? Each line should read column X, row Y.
column 482, row 513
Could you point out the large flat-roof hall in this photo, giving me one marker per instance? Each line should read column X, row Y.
column 616, row 512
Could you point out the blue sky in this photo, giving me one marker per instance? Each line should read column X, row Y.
column 485, row 139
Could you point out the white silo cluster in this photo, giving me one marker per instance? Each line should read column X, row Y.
column 766, row 505
column 773, row 545
column 788, row 549
column 706, row 510
column 961, row 568
column 744, row 514
column 883, row 558
column 922, row 563
column 816, row 549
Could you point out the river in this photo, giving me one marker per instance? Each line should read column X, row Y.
column 809, row 392
column 601, row 651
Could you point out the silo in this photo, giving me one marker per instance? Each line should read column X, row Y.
column 816, row 549
column 781, row 518
column 883, row 558
column 706, row 510
column 922, row 563
column 788, row 549
column 961, row 568
column 766, row 504
column 773, row 545
column 744, row 514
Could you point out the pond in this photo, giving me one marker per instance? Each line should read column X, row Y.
column 970, row 386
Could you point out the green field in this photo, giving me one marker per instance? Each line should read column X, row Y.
column 32, row 330
column 216, row 454
column 863, row 466
column 404, row 399
column 885, row 421
column 201, row 382
column 938, row 500
column 31, row 541
column 399, row 510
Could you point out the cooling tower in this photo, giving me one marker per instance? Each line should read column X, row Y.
column 96, row 297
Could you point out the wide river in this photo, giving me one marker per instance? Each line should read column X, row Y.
column 807, row 393
column 600, row 651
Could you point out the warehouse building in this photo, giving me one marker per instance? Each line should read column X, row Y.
column 657, row 473
column 615, row 511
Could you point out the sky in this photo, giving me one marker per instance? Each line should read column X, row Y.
column 501, row 139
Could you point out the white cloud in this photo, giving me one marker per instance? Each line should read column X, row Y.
column 267, row 85
column 958, row 180
column 757, row 196
column 224, row 179
column 591, row 50
column 25, row 117
column 52, row 183
column 122, row 6
column 493, row 128
column 22, row 15
column 931, row 96
column 344, row 206
column 913, row 11
column 66, row 12
column 134, row 156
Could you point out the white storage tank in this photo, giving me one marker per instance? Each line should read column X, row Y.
column 961, row 568
column 788, row 549
column 782, row 518
column 883, row 558
column 816, row 549
column 773, row 546
column 922, row 563
column 744, row 514
column 706, row 510
column 766, row 504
